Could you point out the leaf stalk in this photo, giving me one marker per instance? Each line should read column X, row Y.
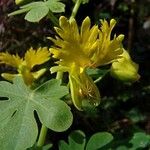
column 75, row 9
column 42, row 136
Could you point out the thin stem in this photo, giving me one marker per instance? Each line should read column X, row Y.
column 53, row 18
column 42, row 136
column 98, row 79
column 101, row 77
column 75, row 9
column 59, row 75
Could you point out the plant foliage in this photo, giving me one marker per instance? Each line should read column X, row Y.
column 77, row 141
column 17, row 113
column 35, row 11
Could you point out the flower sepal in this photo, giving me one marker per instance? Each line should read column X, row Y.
column 83, row 89
column 9, row 77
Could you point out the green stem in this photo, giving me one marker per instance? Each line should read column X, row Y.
column 53, row 18
column 42, row 136
column 98, row 79
column 101, row 77
column 44, row 129
column 75, row 9
column 59, row 75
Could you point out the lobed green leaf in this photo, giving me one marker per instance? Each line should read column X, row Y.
column 38, row 10
column 140, row 140
column 37, row 13
column 55, row 6
column 76, row 141
column 18, row 128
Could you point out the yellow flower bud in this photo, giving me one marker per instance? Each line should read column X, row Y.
column 125, row 69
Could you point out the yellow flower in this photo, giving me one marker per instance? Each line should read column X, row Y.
column 108, row 50
column 25, row 66
column 72, row 46
column 78, row 49
column 125, row 69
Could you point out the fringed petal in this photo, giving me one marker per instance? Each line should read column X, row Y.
column 108, row 50
column 11, row 60
column 33, row 58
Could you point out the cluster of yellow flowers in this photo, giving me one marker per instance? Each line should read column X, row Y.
column 78, row 49
column 89, row 47
column 25, row 65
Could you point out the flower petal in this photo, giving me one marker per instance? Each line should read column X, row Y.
column 11, row 60
column 85, row 29
column 38, row 57
column 38, row 73
column 108, row 50
column 64, row 23
column 75, row 31
column 59, row 68
column 9, row 76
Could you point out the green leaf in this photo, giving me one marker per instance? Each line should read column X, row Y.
column 18, row 126
column 99, row 140
column 50, row 89
column 37, row 13
column 32, row 5
column 76, row 141
column 38, row 10
column 20, row 11
column 63, row 145
column 26, row 8
column 55, row 6
column 140, row 140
